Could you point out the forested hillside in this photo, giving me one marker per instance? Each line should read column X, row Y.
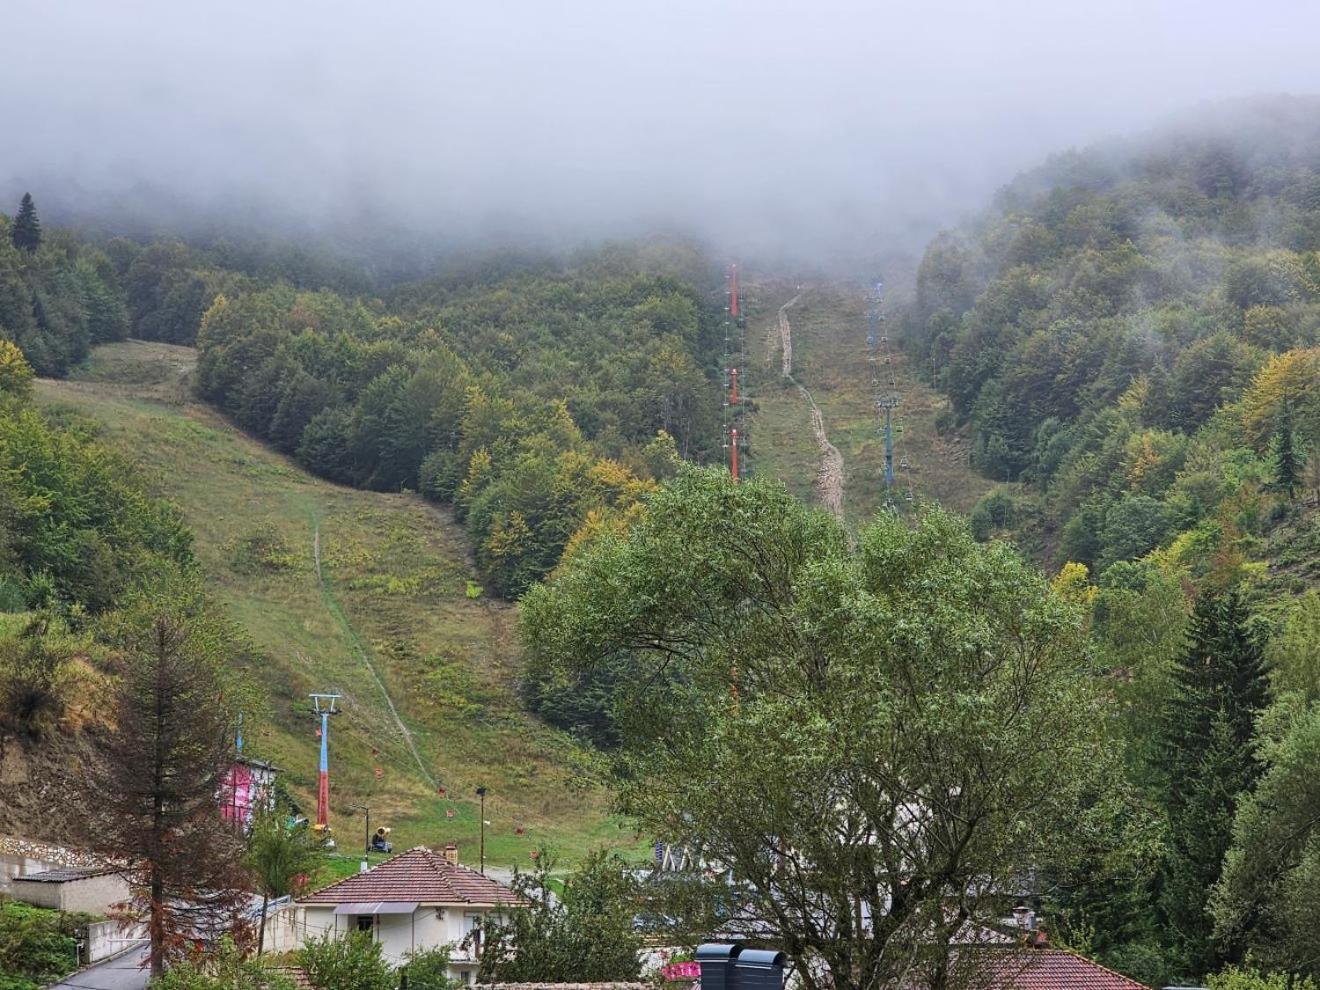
column 531, row 402
column 535, row 395
column 1132, row 335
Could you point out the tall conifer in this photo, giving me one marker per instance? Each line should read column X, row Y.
column 26, row 233
column 1207, row 734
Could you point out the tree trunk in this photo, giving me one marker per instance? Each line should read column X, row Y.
column 156, row 925
column 261, row 932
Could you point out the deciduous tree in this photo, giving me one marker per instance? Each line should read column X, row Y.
column 872, row 740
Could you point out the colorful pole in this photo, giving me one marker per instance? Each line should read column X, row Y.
column 323, row 781
column 733, row 452
column 733, row 292
column 733, row 386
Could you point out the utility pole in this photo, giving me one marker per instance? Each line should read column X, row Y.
column 324, row 706
column 481, row 793
column 888, row 403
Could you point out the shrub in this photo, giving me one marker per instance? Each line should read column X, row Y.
column 350, row 962
column 36, row 946
column 428, row 969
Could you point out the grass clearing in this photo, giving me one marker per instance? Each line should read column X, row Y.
column 395, row 589
column 830, row 357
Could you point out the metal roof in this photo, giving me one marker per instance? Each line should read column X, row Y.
column 61, row 876
column 376, row 907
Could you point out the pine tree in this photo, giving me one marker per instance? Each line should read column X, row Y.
column 159, row 823
column 1287, row 465
column 26, row 233
column 1207, row 733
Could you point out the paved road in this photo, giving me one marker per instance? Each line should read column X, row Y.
column 127, row 972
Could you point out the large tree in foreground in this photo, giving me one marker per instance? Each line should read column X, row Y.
column 168, row 754
column 876, row 739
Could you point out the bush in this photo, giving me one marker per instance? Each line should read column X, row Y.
column 226, row 969
column 36, row 946
column 35, row 679
column 350, row 962
column 428, row 969
column 995, row 511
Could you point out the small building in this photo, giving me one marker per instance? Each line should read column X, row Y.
column 92, row 891
column 248, row 788
column 417, row 900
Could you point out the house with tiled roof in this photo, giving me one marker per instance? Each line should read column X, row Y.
column 417, row 900
column 1036, row 966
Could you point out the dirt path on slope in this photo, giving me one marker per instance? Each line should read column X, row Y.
column 829, row 476
column 786, row 336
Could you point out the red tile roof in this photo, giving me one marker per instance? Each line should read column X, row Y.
column 417, row 875
column 1046, row 969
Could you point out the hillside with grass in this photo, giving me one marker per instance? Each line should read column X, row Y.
column 830, row 359
column 369, row 594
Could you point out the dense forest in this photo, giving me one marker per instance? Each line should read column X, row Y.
column 1133, row 333
column 534, row 403
column 537, row 396
column 1132, row 337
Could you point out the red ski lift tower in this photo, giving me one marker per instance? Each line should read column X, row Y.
column 323, row 705
column 733, row 430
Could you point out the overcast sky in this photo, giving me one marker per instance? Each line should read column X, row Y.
column 824, row 128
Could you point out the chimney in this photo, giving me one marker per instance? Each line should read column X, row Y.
column 1038, row 939
column 451, row 853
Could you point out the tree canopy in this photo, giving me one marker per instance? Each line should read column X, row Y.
column 873, row 739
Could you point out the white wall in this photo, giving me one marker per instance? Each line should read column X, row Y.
column 93, row 895
column 106, row 938
column 400, row 934
column 283, row 931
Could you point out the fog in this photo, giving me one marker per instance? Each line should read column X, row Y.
column 822, row 133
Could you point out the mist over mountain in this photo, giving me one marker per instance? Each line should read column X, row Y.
column 827, row 132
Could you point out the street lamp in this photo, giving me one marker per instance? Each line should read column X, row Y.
column 481, row 793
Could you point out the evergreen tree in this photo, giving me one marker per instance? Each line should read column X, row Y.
column 160, row 825
column 1207, row 732
column 26, row 233
column 1287, row 465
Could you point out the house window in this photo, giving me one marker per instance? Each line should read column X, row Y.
column 472, row 934
column 365, row 922
column 467, row 977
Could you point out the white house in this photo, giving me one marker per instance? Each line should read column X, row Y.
column 419, row 899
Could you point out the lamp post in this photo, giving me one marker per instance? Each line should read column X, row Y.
column 481, row 793
column 366, row 835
